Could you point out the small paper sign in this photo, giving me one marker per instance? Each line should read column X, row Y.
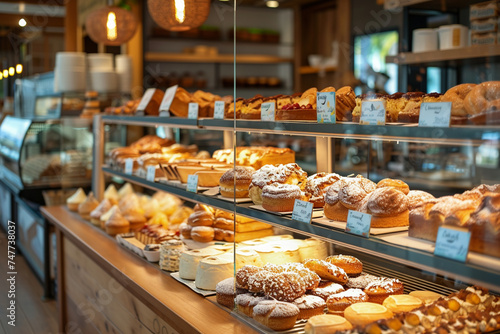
column 193, row 110
column 325, row 107
column 302, row 211
column 372, row 113
column 146, row 98
column 219, row 110
column 167, row 100
column 435, row 114
column 358, row 223
column 267, row 111
column 151, row 173
column 129, row 166
column 192, row 184
column 452, row 243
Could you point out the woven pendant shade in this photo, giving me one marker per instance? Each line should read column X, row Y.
column 111, row 25
column 179, row 15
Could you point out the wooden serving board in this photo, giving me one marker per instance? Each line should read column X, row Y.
column 374, row 230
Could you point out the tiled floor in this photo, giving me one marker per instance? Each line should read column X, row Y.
column 33, row 315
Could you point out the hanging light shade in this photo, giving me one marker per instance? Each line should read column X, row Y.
column 179, row 15
column 111, row 25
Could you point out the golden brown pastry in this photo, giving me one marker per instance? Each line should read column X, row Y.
column 102, row 208
column 345, row 101
column 363, row 314
column 235, row 182
column 116, row 224
column 280, row 197
column 326, row 323
column 456, row 96
column 395, row 103
column 411, row 112
column 74, row 200
column 316, row 186
column 388, row 207
column 87, row 206
column 397, row 184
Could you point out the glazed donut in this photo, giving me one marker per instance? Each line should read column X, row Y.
column 185, row 230
column 482, row 97
column 456, row 95
column 286, row 286
column 201, row 218
column 243, row 274
column 351, row 265
column 316, row 186
column 326, row 270
column 345, row 101
column 398, row 184
column 202, row 233
column 235, row 182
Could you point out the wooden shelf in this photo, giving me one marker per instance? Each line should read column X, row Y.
column 314, row 70
column 221, row 58
column 450, row 57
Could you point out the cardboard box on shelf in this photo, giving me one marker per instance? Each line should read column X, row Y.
column 483, row 26
column 489, row 38
column 484, row 10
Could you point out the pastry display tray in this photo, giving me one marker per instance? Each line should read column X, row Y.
column 191, row 284
column 318, row 212
column 403, row 239
column 374, row 230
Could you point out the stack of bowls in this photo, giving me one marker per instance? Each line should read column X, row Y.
column 102, row 75
column 124, row 72
column 70, row 72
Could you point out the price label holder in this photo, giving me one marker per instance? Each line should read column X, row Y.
column 435, row 114
column 219, row 110
column 193, row 108
column 372, row 113
column 192, row 183
column 325, row 107
column 146, row 98
column 151, row 173
column 167, row 101
column 267, row 111
column 302, row 211
column 129, row 166
column 358, row 223
column 452, row 243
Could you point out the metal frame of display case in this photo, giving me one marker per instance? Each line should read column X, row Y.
column 425, row 261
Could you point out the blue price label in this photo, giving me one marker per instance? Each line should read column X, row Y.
column 302, row 211
column 452, row 243
column 192, row 183
column 325, row 107
column 358, row 223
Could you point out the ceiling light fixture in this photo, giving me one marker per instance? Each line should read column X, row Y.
column 179, row 15
column 272, row 4
column 111, row 25
column 22, row 22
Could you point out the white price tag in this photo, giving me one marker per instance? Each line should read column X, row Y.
column 129, row 166
column 192, row 183
column 325, row 107
column 372, row 113
column 219, row 110
column 358, row 223
column 167, row 100
column 193, row 110
column 435, row 114
column 267, row 111
column 452, row 243
column 302, row 211
column 151, row 173
column 145, row 99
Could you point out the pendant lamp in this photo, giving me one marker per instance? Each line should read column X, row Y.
column 179, row 15
column 111, row 25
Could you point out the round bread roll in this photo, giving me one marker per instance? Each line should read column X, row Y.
column 402, row 303
column 482, row 97
column 350, row 264
column 456, row 96
column 426, row 297
column 388, row 207
column 278, row 316
column 326, row 324
column 362, row 314
column 398, row 184
column 279, row 197
column 351, row 194
column 235, row 182
column 202, row 233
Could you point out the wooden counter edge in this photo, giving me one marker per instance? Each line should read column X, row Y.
column 146, row 282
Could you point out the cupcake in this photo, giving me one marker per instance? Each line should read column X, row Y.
column 102, row 208
column 125, row 190
column 87, row 206
column 112, row 194
column 116, row 224
column 74, row 200
column 107, row 214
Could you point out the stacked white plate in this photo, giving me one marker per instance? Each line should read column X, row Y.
column 124, row 72
column 70, row 72
column 102, row 76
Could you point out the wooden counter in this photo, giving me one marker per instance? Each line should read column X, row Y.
column 104, row 288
